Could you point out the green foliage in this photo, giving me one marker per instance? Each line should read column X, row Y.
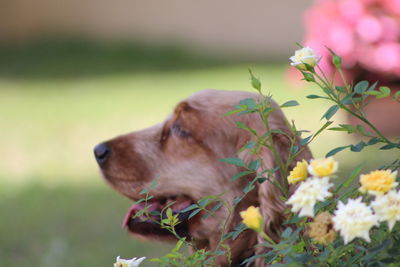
column 295, row 247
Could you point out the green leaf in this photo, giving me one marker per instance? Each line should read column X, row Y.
column 194, row 213
column 349, row 128
column 234, row 161
column 243, row 126
column 309, row 77
column 254, row 165
column 241, row 174
column 353, row 175
column 340, row 129
column 361, row 87
column 255, row 82
column 153, row 184
column 362, row 131
column 372, row 93
column 323, row 127
column 305, row 140
column 341, row 89
column 385, row 92
column 248, row 188
column 335, row 151
column 287, row 232
column 389, row 146
column 290, row 103
column 316, row 96
column 347, row 100
column 249, row 103
column 373, row 141
column 396, row 95
column 191, row 207
column 330, row 112
column 358, row 147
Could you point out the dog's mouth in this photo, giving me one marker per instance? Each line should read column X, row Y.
column 146, row 218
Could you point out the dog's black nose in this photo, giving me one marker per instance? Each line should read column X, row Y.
column 102, row 153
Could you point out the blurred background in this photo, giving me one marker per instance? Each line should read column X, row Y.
column 74, row 73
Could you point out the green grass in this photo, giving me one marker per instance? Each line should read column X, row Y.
column 57, row 101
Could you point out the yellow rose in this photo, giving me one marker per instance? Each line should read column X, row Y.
column 378, row 182
column 252, row 218
column 299, row 172
column 323, row 167
column 304, row 56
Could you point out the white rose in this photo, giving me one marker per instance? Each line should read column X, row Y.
column 304, row 56
column 128, row 263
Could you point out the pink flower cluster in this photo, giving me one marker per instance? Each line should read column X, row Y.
column 365, row 33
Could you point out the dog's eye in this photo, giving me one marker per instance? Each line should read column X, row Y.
column 177, row 130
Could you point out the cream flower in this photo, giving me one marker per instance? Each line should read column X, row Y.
column 378, row 182
column 387, row 207
column 308, row 193
column 299, row 172
column 323, row 167
column 305, row 55
column 354, row 219
column 252, row 218
column 128, row 263
column 321, row 229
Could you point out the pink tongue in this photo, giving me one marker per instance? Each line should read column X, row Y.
column 138, row 207
column 180, row 204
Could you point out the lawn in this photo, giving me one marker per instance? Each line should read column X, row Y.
column 57, row 101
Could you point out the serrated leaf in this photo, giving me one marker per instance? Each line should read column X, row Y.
column 290, row 103
column 335, row 151
column 330, row 112
column 234, row 161
column 361, row 87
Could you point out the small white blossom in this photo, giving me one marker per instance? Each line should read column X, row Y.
column 354, row 219
column 387, row 207
column 128, row 263
column 308, row 193
column 305, row 55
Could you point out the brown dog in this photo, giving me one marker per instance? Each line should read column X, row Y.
column 182, row 154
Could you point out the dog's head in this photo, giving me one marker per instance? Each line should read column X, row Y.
column 177, row 163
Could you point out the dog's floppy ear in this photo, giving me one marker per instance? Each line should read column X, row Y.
column 270, row 198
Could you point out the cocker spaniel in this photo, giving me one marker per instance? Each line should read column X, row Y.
column 182, row 154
